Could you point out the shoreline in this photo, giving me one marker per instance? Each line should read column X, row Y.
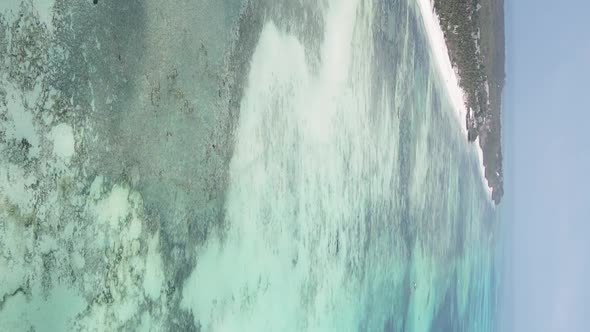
column 448, row 74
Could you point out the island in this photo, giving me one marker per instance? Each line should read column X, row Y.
column 474, row 36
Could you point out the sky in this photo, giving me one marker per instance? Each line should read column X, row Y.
column 547, row 144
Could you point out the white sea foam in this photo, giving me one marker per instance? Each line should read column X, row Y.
column 482, row 168
column 448, row 74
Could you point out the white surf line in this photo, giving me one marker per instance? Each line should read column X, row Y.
column 448, row 74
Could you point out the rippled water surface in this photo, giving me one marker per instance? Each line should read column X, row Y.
column 235, row 166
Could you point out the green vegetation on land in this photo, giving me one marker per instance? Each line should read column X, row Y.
column 474, row 33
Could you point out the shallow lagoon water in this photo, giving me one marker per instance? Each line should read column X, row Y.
column 262, row 166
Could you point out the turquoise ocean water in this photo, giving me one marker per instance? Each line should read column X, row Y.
column 354, row 201
column 257, row 166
